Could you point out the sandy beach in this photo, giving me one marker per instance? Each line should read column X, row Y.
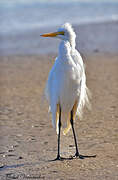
column 27, row 140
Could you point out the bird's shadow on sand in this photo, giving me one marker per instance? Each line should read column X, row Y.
column 4, row 167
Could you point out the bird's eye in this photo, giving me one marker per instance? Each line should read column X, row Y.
column 61, row 32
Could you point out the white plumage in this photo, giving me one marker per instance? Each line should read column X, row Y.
column 66, row 84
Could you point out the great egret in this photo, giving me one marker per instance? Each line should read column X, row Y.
column 66, row 89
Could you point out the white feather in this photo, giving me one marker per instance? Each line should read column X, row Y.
column 66, row 83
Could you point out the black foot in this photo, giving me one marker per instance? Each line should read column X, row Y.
column 58, row 158
column 78, row 156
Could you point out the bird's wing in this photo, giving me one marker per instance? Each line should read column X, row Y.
column 49, row 81
column 84, row 91
column 77, row 59
column 51, row 91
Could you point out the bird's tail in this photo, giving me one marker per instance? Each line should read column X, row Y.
column 66, row 130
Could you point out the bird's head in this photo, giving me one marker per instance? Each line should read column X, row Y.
column 65, row 32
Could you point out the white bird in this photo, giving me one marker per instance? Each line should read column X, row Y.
column 66, row 89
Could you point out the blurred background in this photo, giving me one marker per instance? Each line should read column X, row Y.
column 27, row 139
column 22, row 22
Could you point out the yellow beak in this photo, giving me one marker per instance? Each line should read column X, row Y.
column 54, row 34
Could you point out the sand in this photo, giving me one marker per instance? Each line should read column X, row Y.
column 27, row 140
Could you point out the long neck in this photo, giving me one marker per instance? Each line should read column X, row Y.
column 65, row 49
column 72, row 42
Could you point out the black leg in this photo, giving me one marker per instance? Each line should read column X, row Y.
column 58, row 155
column 59, row 125
column 77, row 152
column 72, row 124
